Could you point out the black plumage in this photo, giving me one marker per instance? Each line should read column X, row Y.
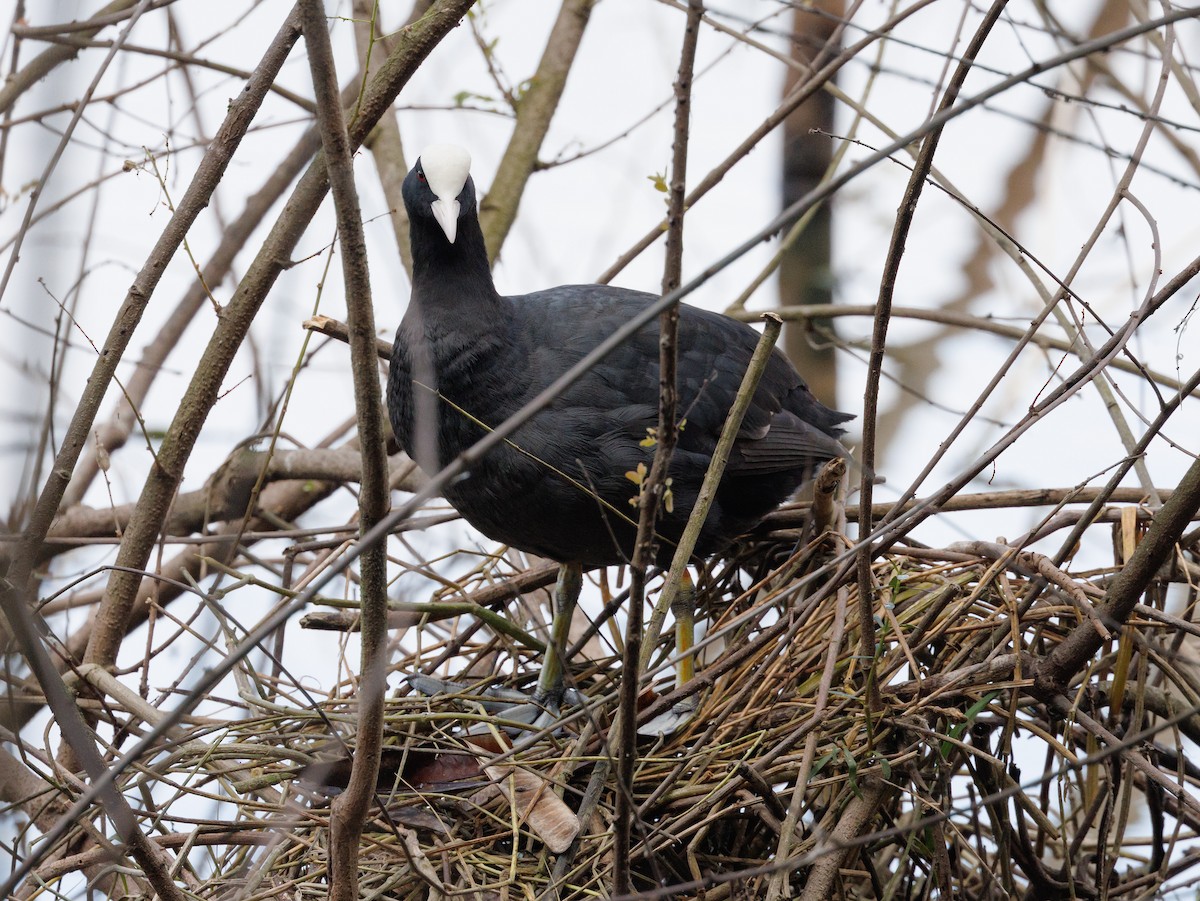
column 561, row 487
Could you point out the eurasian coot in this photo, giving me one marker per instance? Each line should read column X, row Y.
column 465, row 358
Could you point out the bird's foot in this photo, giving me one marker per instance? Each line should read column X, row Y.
column 514, row 711
column 669, row 721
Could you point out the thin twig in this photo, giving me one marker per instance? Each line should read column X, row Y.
column 654, row 489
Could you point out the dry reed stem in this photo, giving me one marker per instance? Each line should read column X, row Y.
column 765, row 783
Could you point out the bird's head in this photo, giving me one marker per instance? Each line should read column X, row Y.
column 440, row 187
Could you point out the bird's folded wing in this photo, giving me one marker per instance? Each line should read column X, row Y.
column 788, row 443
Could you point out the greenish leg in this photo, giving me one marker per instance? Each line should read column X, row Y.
column 566, row 595
column 684, row 610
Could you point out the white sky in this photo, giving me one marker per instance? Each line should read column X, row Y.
column 577, row 218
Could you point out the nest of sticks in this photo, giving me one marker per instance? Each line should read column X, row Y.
column 929, row 755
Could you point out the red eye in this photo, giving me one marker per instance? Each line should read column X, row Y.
column 421, row 174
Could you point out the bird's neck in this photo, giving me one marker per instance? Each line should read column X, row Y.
column 452, row 276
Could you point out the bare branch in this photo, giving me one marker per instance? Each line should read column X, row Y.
column 50, row 58
column 498, row 209
column 233, row 326
column 652, row 493
column 350, row 808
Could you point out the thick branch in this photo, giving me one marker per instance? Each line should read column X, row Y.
column 226, row 495
column 498, row 210
column 387, row 150
column 1056, row 670
column 350, row 809
column 851, row 824
column 52, row 57
column 212, row 168
column 163, row 480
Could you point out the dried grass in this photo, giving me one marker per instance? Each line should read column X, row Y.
column 964, row 783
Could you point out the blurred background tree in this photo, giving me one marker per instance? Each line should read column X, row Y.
column 998, row 716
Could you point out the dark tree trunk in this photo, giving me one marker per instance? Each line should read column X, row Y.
column 805, row 274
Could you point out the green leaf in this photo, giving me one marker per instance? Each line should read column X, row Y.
column 821, row 761
column 851, row 771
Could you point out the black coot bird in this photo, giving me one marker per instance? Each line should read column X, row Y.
column 560, row 487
